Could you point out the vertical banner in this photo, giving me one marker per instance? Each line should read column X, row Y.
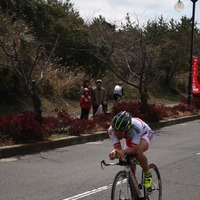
column 195, row 74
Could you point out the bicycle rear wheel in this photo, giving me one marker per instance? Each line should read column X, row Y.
column 155, row 192
column 121, row 189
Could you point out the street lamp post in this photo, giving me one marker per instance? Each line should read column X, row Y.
column 179, row 6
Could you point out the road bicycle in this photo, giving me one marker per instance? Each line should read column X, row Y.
column 126, row 187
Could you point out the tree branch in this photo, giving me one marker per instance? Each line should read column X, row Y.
column 48, row 60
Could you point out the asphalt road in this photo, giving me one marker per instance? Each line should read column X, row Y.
column 74, row 172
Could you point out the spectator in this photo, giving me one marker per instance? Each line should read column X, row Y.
column 99, row 93
column 85, row 103
column 103, row 108
column 86, row 84
column 118, row 92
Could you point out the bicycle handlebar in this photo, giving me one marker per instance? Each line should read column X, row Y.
column 127, row 160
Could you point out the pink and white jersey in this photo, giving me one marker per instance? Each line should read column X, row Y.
column 139, row 131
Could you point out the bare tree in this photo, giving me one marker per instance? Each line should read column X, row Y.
column 130, row 56
column 26, row 57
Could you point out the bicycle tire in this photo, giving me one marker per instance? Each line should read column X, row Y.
column 154, row 193
column 120, row 189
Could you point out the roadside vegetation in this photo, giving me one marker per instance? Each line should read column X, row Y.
column 23, row 128
column 47, row 50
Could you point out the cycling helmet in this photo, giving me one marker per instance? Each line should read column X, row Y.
column 121, row 122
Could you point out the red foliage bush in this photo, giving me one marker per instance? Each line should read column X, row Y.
column 63, row 120
column 196, row 102
column 155, row 113
column 24, row 127
column 103, row 120
column 79, row 126
column 149, row 112
column 183, row 107
column 73, row 126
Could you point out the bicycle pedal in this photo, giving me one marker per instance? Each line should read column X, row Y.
column 149, row 189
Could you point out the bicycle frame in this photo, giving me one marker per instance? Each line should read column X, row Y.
column 139, row 191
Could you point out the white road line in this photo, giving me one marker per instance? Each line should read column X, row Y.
column 8, row 159
column 88, row 193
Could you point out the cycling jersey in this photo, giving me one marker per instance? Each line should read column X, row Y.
column 139, row 130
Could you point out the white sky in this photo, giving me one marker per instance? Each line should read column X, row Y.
column 115, row 10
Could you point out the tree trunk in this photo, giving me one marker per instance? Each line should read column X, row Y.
column 143, row 98
column 36, row 102
column 143, row 87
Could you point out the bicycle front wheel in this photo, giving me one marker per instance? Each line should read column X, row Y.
column 121, row 188
column 155, row 192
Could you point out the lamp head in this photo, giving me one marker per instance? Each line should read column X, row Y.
column 179, row 6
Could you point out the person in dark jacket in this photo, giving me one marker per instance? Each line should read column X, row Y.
column 99, row 93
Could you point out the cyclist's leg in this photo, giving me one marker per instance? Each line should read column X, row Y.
column 144, row 163
column 133, row 169
column 143, row 146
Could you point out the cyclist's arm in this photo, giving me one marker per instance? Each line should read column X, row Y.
column 118, row 152
column 135, row 141
column 130, row 150
column 115, row 152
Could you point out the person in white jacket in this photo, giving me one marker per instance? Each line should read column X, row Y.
column 118, row 92
column 103, row 108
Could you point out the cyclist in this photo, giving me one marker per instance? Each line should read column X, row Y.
column 138, row 136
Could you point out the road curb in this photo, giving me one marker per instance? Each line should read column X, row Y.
column 169, row 122
column 23, row 149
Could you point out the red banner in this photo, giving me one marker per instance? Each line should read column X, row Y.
column 195, row 74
